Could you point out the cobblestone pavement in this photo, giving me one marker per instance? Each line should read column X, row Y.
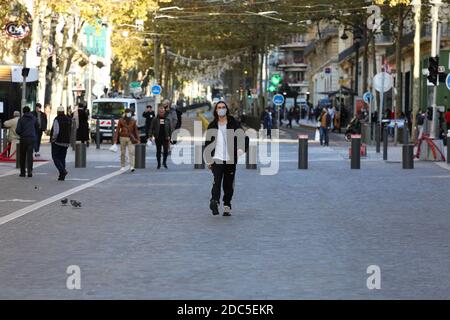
column 299, row 234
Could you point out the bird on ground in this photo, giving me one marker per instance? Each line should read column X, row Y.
column 75, row 203
column 64, row 201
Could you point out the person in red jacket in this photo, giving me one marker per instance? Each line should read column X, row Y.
column 447, row 119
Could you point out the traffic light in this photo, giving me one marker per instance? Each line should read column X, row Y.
column 275, row 79
column 433, row 69
column 272, row 88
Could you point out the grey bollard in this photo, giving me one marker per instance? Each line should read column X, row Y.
column 18, row 155
column 303, row 152
column 139, row 156
column 97, row 134
column 385, row 143
column 113, row 130
column 377, row 137
column 365, row 137
column 80, row 155
column 250, row 156
column 408, row 156
column 199, row 160
column 73, row 136
column 448, row 147
column 355, row 162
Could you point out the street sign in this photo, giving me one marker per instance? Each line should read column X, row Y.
column 447, row 81
column 156, row 89
column 368, row 97
column 383, row 82
column 16, row 31
column 441, row 69
column 278, row 99
column 135, row 84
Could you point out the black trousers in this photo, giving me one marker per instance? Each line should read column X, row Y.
column 37, row 145
column 162, row 143
column 59, row 157
column 223, row 173
column 26, row 155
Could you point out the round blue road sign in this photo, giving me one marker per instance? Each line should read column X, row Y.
column 447, row 81
column 278, row 99
column 156, row 89
column 368, row 97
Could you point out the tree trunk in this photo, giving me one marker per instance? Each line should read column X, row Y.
column 366, row 60
column 45, row 16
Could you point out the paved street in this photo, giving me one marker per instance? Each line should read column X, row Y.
column 294, row 235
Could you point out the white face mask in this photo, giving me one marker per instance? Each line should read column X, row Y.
column 222, row 112
column 128, row 115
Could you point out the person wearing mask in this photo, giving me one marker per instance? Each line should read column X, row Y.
column 148, row 114
column 13, row 137
column 26, row 128
column 41, row 120
column 222, row 165
column 127, row 134
column 161, row 131
column 60, row 141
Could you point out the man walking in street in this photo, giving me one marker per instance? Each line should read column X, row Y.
column 13, row 137
column 26, row 129
column 325, row 122
column 223, row 166
column 60, row 139
column 41, row 120
column 148, row 114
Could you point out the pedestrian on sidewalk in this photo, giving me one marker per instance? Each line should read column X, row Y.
column 41, row 120
column 26, row 128
column 161, row 131
column 60, row 141
column 268, row 123
column 222, row 165
column 127, row 135
column 148, row 114
column 13, row 137
column 290, row 117
column 82, row 122
column 447, row 119
column 325, row 121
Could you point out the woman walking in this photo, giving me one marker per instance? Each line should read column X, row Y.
column 223, row 167
column 127, row 134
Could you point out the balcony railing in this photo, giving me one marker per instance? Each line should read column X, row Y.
column 291, row 61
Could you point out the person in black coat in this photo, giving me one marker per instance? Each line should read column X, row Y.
column 219, row 150
column 60, row 139
column 41, row 120
column 148, row 114
column 83, row 124
column 26, row 128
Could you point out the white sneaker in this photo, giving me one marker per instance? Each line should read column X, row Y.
column 122, row 168
column 226, row 211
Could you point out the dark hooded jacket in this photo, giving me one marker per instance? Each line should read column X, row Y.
column 27, row 126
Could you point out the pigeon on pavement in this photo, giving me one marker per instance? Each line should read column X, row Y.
column 75, row 203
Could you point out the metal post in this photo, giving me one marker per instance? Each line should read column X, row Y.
column 97, row 134
column 435, row 49
column 385, row 143
column 113, row 130
column 377, row 137
column 355, row 161
column 80, row 155
column 448, row 147
column 250, row 156
column 303, row 152
column 199, row 160
column 139, row 159
column 73, row 136
column 395, row 134
column 408, row 156
column 18, row 155
column 24, row 82
column 405, row 133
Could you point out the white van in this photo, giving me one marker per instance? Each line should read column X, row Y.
column 107, row 109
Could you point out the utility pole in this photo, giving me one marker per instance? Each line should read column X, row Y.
column 417, row 7
column 435, row 48
column 24, row 82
